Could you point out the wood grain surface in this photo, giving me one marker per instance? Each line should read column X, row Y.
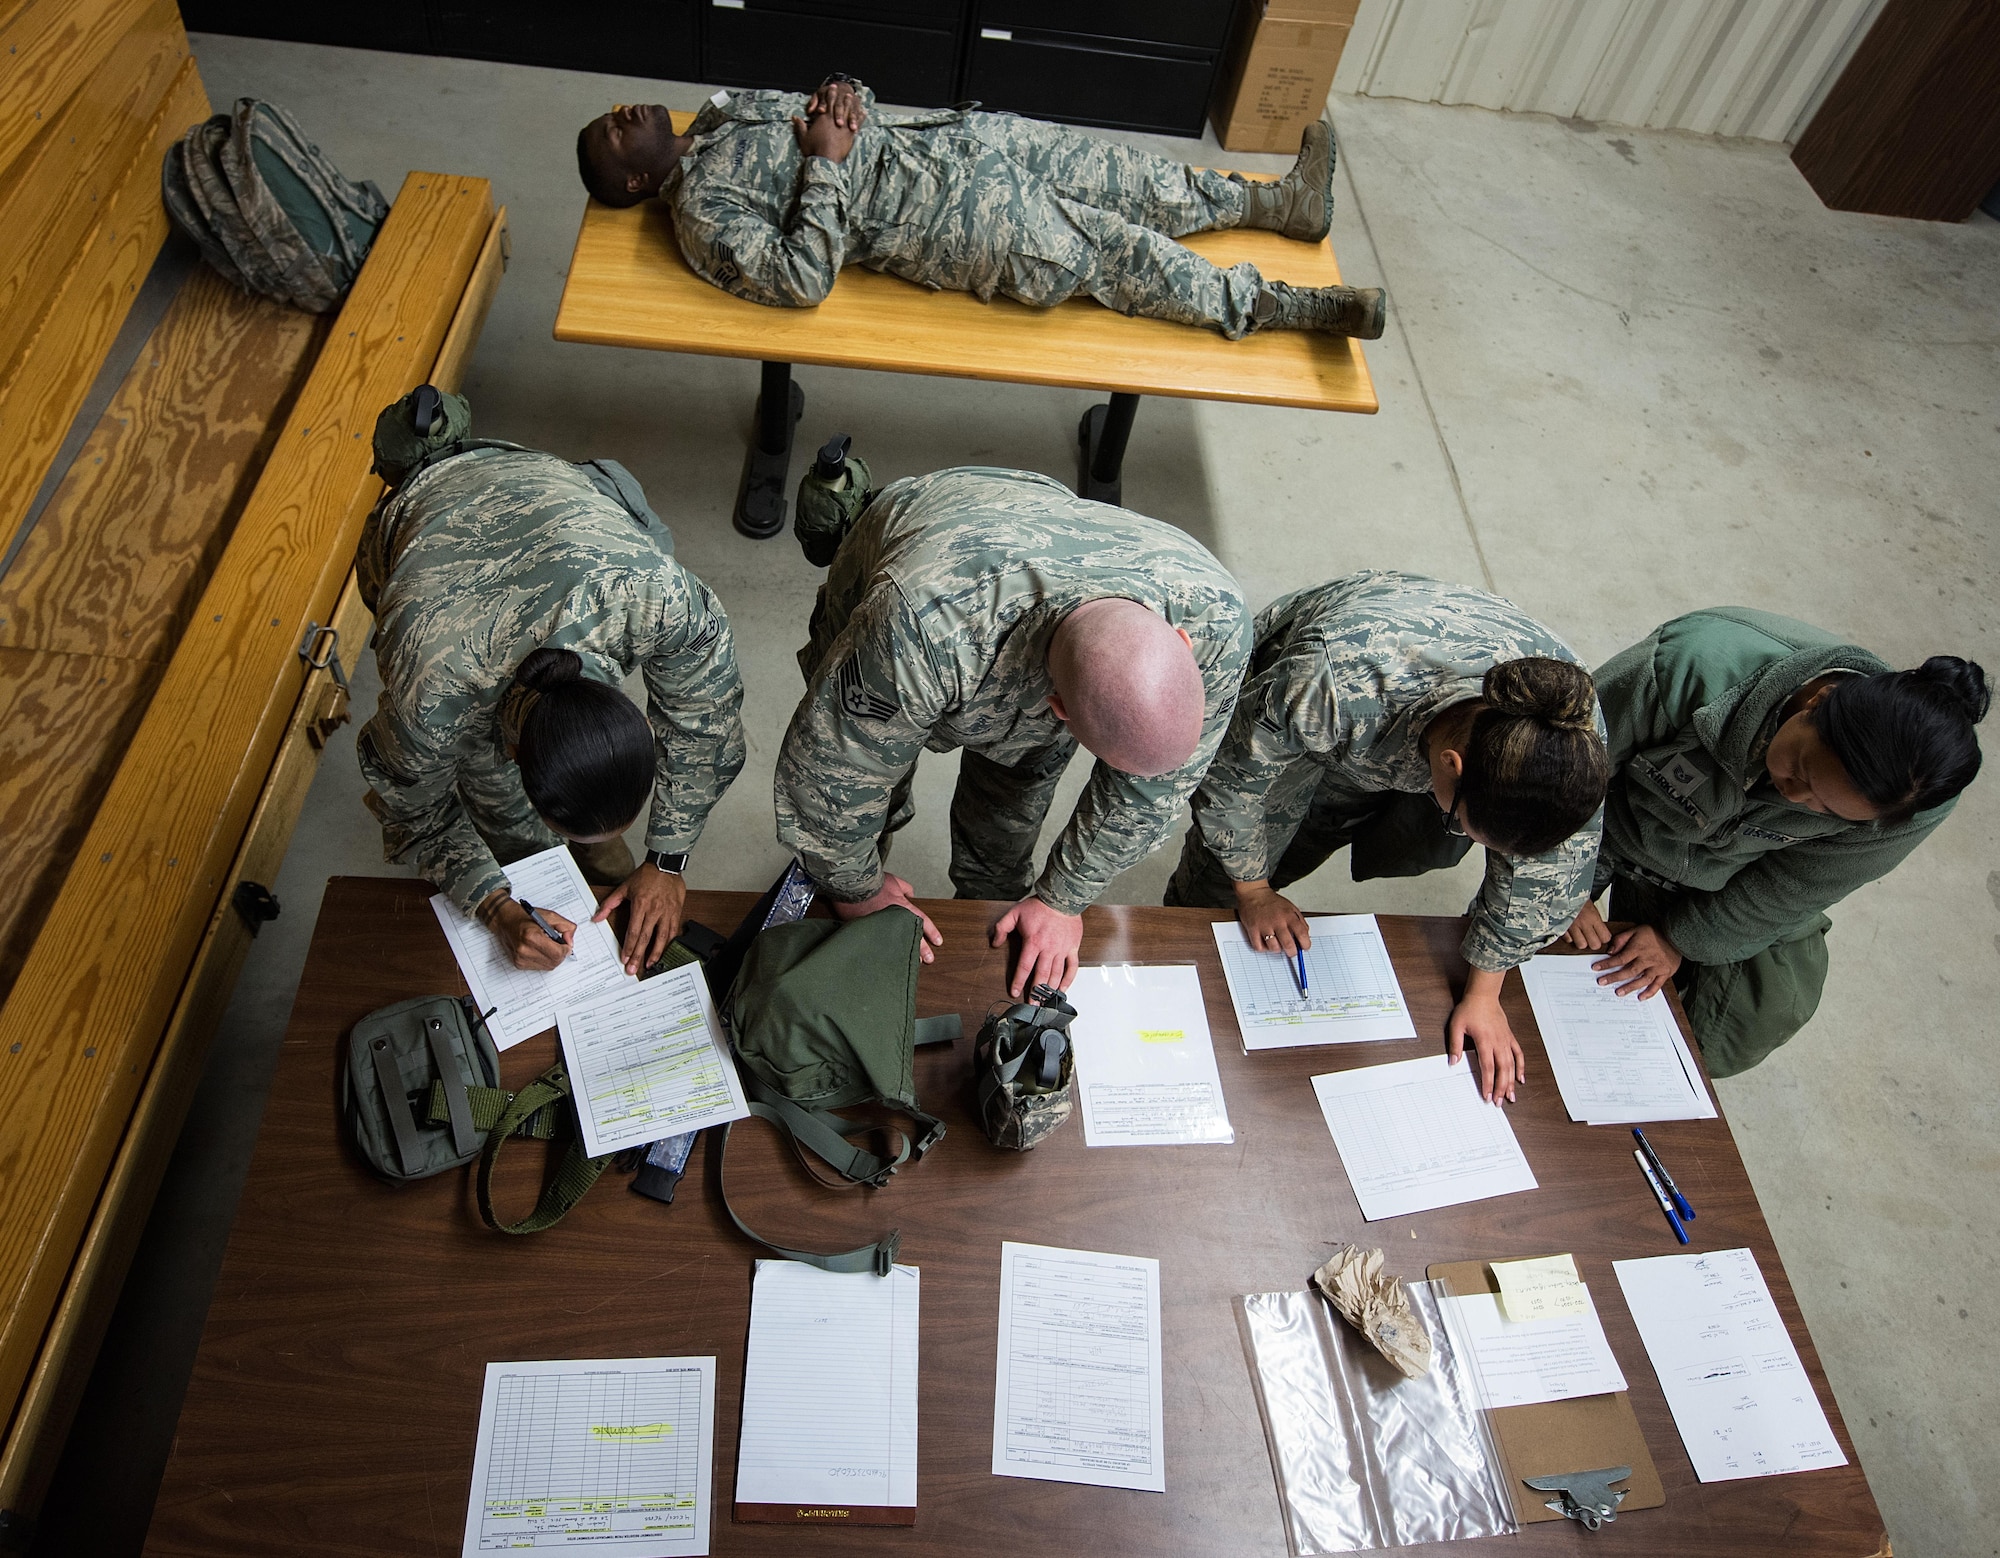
column 127, row 543
column 90, row 1004
column 64, row 723
column 44, row 387
column 629, row 286
column 50, row 197
column 335, row 1397
column 48, row 48
column 1912, row 127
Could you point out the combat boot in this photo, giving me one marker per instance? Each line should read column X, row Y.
column 1299, row 205
column 1355, row 311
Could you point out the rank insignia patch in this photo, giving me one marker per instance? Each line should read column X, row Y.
column 857, row 699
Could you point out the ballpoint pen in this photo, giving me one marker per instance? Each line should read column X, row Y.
column 1674, row 1190
column 1301, row 971
column 548, row 930
column 1660, row 1195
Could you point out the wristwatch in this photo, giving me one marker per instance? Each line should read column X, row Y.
column 673, row 865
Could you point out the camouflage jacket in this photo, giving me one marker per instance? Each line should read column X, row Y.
column 1348, row 674
column 934, row 630
column 758, row 218
column 485, row 556
column 1692, row 808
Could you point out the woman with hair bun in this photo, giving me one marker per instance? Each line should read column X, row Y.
column 513, row 591
column 1411, row 719
column 1764, row 769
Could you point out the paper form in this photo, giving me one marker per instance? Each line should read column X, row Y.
column 1145, row 1067
column 1352, row 993
column 647, row 1061
column 1518, row 1362
column 1618, row 1060
column 830, row 1397
column 527, row 999
column 1077, row 1391
column 1739, row 1395
column 1540, row 1289
column 1415, row 1134
column 598, row 1454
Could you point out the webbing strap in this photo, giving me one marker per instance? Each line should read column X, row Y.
column 573, row 1177
column 396, row 1105
column 877, row 1257
column 939, row 1030
column 464, row 1141
column 821, row 1133
column 487, row 1105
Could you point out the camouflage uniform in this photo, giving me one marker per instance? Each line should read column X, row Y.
column 933, row 630
column 973, row 202
column 1327, row 749
column 471, row 564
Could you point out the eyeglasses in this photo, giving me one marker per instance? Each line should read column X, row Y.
column 1448, row 816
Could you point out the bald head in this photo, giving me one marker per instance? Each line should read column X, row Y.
column 1128, row 686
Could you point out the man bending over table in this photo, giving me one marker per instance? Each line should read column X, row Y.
column 772, row 192
column 998, row 612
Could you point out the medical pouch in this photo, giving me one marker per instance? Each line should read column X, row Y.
column 1024, row 1069
column 398, row 1058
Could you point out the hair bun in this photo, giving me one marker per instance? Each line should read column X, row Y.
column 1962, row 681
column 1555, row 692
column 545, row 668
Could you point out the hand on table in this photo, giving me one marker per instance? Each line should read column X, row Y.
column 528, row 946
column 892, row 894
column 1050, row 940
column 1270, row 921
column 1641, row 959
column 654, row 903
column 1479, row 1020
column 1588, row 932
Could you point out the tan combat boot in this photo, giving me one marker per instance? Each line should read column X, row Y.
column 1355, row 311
column 1299, row 205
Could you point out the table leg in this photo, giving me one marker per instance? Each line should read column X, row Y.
column 1101, row 437
column 767, row 464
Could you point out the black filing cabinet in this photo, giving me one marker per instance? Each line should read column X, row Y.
column 906, row 50
column 1130, row 64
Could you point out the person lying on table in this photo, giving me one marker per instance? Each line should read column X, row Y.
column 1764, row 769
column 1411, row 719
column 512, row 591
column 772, row 192
column 997, row 611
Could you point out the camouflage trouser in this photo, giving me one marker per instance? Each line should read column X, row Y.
column 1309, row 814
column 997, row 812
column 1740, row 1012
column 1100, row 218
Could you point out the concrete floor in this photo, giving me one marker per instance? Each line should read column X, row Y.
column 1626, row 374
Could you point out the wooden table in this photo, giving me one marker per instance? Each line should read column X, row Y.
column 336, row 1394
column 628, row 286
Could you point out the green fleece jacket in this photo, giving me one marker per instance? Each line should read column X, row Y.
column 1691, row 712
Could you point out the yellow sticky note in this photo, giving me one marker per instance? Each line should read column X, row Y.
column 1540, row 1289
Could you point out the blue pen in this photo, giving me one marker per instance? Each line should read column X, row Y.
column 1660, row 1195
column 1674, row 1190
column 1302, row 974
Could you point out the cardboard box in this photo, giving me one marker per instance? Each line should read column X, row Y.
column 1281, row 68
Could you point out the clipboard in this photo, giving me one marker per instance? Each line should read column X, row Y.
column 1550, row 1438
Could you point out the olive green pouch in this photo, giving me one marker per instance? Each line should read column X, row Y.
column 403, row 1059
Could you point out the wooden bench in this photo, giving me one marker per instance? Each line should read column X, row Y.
column 170, row 629
column 629, row 286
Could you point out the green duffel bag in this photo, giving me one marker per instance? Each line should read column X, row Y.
column 823, row 1017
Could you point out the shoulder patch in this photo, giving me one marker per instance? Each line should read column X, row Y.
column 855, row 696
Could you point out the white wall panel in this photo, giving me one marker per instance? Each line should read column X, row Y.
column 1753, row 68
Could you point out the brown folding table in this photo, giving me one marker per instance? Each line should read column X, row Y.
column 336, row 1395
